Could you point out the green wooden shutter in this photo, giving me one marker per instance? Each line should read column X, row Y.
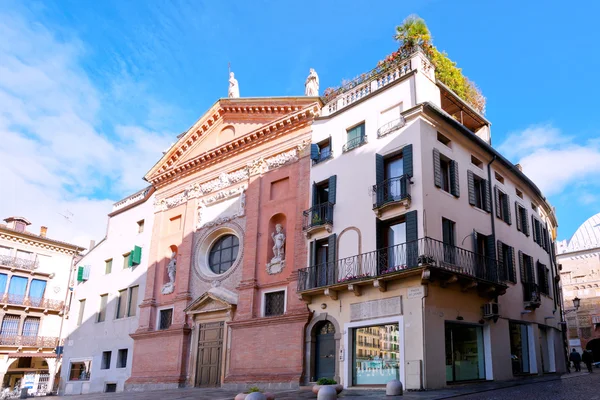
column 313, row 253
column 502, row 270
column 497, row 201
column 506, row 208
column 136, row 256
column 437, row 168
column 332, row 188
column 314, row 152
column 487, row 202
column 379, row 178
column 331, row 251
column 315, row 197
column 471, row 185
column 454, row 179
column 407, row 160
column 518, row 217
column 80, row 274
column 379, row 234
column 412, row 237
column 522, row 267
column 512, row 271
column 525, row 221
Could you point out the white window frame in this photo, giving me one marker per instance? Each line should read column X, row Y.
column 158, row 310
column 263, row 299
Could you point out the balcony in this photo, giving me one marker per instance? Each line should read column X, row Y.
column 28, row 341
column 354, row 143
column 434, row 260
column 316, row 218
column 531, row 296
column 390, row 127
column 391, row 192
column 20, row 263
column 32, row 302
column 324, row 155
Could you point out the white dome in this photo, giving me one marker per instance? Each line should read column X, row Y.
column 587, row 235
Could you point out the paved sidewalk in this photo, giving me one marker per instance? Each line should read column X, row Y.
column 306, row 393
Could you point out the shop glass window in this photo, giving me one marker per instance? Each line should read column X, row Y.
column 464, row 352
column 519, row 348
column 375, row 358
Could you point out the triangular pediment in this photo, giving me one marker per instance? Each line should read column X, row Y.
column 229, row 125
column 216, row 299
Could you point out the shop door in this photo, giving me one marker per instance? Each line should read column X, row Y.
column 325, row 352
column 464, row 353
column 210, row 346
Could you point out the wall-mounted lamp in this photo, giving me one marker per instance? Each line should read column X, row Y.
column 323, row 306
column 459, row 318
column 576, row 303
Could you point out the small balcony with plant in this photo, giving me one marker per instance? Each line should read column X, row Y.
column 531, row 296
column 391, row 192
column 317, row 218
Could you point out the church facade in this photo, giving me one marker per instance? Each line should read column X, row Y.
column 226, row 245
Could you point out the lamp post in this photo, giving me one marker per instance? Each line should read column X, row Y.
column 576, row 304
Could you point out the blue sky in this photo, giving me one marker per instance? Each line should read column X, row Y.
column 92, row 92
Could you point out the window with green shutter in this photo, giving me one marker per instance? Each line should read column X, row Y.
column 126, row 260
column 136, row 256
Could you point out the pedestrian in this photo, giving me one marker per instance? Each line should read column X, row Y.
column 588, row 359
column 575, row 358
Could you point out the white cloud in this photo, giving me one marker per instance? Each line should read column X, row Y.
column 553, row 160
column 61, row 151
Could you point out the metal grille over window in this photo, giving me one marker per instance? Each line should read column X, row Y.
column 274, row 303
column 166, row 317
column 327, row 328
column 10, row 325
column 31, row 326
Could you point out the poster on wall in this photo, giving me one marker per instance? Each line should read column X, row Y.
column 28, row 380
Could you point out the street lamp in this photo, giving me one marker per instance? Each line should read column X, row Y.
column 576, row 303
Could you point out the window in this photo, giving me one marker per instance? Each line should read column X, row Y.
column 126, row 260
column 37, row 288
column 106, row 359
column 449, row 239
column 519, row 193
column 478, row 192
column 542, row 273
column 16, row 289
column 507, row 270
column 140, row 224
column 502, row 205
column 445, row 173
column 522, row 219
column 321, row 151
column 443, row 139
column 20, row 226
column 371, row 354
column 499, row 178
column 476, row 162
column 10, row 325
column 519, row 347
column 274, row 303
column 24, row 362
column 5, row 251
column 122, row 358
column 80, row 370
column 110, row 388
column 121, row 302
column 132, row 301
column 165, row 318
column 31, row 326
column 356, row 137
column 81, row 311
column 223, row 253
column 102, row 310
column 534, row 207
column 538, row 232
column 108, row 266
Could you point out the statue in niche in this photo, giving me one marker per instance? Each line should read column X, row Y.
column 234, row 89
column 311, row 86
column 277, row 262
column 169, row 287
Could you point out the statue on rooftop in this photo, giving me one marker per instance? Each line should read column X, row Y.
column 234, row 89
column 311, row 86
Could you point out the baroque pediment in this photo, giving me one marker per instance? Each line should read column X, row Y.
column 227, row 127
column 216, row 299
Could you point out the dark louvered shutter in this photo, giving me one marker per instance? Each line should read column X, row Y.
column 454, row 179
column 379, row 234
column 471, row 184
column 412, row 237
column 314, row 152
column 407, row 160
column 380, row 189
column 522, row 267
column 331, row 259
column 497, row 201
column 313, row 253
column 437, row 168
column 491, row 270
column 506, row 207
column 332, row 188
column 525, row 220
column 518, row 217
column 487, row 202
column 502, row 270
column 315, row 197
column 512, row 271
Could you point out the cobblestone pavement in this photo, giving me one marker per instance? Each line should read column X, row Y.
column 570, row 386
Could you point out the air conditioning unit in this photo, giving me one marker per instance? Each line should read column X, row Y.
column 491, row 310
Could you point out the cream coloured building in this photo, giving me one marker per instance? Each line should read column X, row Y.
column 431, row 254
column 108, row 286
column 34, row 283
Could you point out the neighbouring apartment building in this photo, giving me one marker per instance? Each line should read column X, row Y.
column 34, row 282
column 108, row 285
column 220, row 306
column 579, row 259
column 431, row 255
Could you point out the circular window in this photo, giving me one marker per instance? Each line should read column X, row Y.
column 223, row 253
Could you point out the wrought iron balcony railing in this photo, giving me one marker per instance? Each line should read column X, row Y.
column 324, row 154
column 390, row 191
column 354, row 143
column 531, row 293
column 319, row 215
column 20, row 300
column 391, row 127
column 28, row 341
column 404, row 256
column 16, row 262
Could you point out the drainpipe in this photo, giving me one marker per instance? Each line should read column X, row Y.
column 489, row 169
column 424, row 382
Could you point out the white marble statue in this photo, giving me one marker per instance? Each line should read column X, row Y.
column 234, row 89
column 311, row 86
column 279, row 243
column 169, row 287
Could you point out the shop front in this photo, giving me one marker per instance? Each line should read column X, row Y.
column 519, row 348
column 465, row 357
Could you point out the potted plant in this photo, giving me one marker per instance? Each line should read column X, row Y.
column 327, row 382
column 316, row 219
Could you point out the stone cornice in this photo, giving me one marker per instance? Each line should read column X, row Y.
column 172, row 331
column 40, row 242
column 279, row 320
column 295, row 117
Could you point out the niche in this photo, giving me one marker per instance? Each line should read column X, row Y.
column 277, row 244
column 170, row 264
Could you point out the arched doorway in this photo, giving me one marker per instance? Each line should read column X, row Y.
column 594, row 346
column 325, row 351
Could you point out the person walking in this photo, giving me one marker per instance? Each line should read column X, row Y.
column 588, row 359
column 575, row 358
